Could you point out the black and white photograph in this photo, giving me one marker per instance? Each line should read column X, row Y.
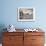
column 26, row 14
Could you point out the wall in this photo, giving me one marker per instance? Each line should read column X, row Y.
column 9, row 13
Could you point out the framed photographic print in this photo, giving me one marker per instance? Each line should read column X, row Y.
column 26, row 14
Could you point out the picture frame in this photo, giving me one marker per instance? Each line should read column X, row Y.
column 26, row 14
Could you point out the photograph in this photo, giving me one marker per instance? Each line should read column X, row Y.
column 26, row 14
